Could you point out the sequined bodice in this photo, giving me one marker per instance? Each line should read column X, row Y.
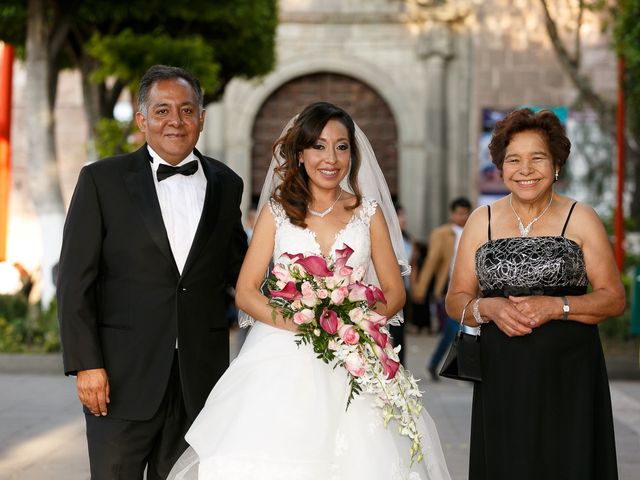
column 530, row 265
column 292, row 239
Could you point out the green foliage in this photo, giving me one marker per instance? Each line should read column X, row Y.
column 627, row 40
column 25, row 328
column 113, row 138
column 128, row 55
column 13, row 21
column 215, row 40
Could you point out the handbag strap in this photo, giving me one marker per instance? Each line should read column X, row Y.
column 475, row 331
column 464, row 310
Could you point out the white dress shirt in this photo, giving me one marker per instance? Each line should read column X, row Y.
column 181, row 200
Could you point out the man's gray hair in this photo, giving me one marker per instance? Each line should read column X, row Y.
column 166, row 72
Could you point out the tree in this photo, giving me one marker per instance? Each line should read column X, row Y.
column 624, row 16
column 112, row 43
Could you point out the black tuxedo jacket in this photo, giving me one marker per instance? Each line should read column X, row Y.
column 122, row 302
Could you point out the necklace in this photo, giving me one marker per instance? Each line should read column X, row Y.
column 524, row 231
column 328, row 210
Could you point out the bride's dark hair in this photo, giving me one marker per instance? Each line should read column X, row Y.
column 293, row 193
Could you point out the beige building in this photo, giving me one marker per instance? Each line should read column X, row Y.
column 415, row 74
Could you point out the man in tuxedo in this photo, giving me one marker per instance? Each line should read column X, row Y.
column 437, row 267
column 151, row 242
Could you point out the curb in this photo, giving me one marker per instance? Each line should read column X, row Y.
column 31, row 363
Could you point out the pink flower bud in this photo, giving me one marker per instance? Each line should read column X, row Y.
column 329, row 321
column 354, row 363
column 303, row 316
column 376, row 318
column 289, row 292
column 373, row 330
column 338, row 295
column 315, row 265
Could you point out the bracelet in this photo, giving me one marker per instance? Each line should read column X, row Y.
column 476, row 312
column 464, row 310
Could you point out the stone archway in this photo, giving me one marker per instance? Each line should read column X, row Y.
column 365, row 105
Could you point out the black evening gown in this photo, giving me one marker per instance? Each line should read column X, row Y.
column 543, row 409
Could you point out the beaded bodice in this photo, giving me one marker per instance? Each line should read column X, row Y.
column 530, row 265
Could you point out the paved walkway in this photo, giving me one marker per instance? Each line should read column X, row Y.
column 42, row 427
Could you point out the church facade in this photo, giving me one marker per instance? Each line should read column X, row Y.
column 416, row 75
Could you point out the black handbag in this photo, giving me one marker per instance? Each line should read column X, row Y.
column 464, row 361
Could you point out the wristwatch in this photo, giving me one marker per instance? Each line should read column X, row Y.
column 565, row 308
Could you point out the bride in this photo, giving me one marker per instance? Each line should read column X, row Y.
column 278, row 413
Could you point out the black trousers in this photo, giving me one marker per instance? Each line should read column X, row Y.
column 122, row 449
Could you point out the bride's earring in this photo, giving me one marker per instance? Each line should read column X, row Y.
column 557, row 171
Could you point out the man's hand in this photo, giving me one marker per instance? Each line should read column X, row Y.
column 93, row 390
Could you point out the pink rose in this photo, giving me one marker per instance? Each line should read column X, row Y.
column 289, row 292
column 310, row 301
column 281, row 273
column 329, row 321
column 296, row 305
column 315, row 265
column 349, row 335
column 303, row 316
column 306, row 289
column 373, row 330
column 341, row 276
column 356, row 315
column 322, row 293
column 354, row 363
column 338, row 295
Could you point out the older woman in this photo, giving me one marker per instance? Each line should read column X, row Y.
column 523, row 268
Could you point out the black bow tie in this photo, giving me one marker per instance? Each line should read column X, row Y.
column 166, row 171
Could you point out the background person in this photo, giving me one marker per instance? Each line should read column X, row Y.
column 436, row 269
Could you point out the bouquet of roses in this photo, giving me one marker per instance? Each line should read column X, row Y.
column 335, row 314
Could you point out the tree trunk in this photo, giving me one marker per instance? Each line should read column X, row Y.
column 91, row 99
column 44, row 181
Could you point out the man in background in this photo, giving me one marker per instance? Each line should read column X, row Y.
column 443, row 245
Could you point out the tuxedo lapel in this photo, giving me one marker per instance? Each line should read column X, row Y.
column 139, row 181
column 210, row 212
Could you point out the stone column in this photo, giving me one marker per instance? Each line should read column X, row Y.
column 435, row 49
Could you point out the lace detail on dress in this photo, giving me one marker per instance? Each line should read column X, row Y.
column 278, row 212
column 293, row 239
column 526, row 262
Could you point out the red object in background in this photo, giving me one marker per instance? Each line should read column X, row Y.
column 619, row 214
column 6, row 73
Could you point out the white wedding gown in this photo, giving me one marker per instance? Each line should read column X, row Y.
column 279, row 413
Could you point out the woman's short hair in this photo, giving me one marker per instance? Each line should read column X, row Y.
column 293, row 192
column 545, row 122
